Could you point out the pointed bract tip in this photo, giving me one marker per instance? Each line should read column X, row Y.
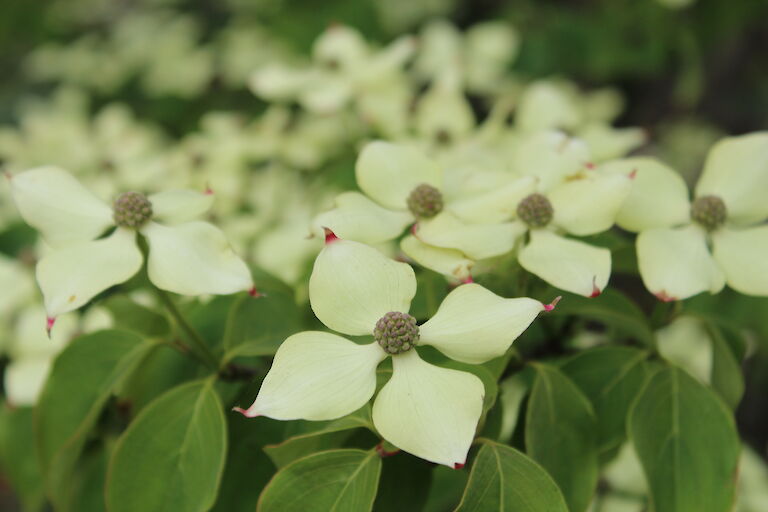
column 590, row 166
column 244, row 412
column 208, row 190
column 458, row 465
column 664, row 297
column 384, row 453
column 253, row 292
column 49, row 321
column 633, row 174
column 595, row 290
column 549, row 307
column 467, row 280
column 414, row 228
column 330, row 236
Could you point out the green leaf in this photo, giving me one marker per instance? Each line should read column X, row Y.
column 334, row 480
column 172, row 455
column 506, row 480
column 560, row 433
column 305, row 437
column 394, row 495
column 17, row 461
column 257, row 326
column 248, row 468
column 82, row 379
column 687, row 442
column 727, row 377
column 134, row 317
column 431, row 289
column 611, row 308
column 611, row 377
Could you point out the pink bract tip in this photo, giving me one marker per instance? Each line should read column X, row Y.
column 330, row 236
column 253, row 292
column 549, row 307
column 664, row 297
column 458, row 465
column 208, row 190
column 633, row 174
column 244, row 412
column 384, row 453
column 467, row 280
column 414, row 228
column 49, row 321
column 590, row 166
column 595, row 290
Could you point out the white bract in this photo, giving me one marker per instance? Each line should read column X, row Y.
column 426, row 410
column 687, row 247
column 185, row 256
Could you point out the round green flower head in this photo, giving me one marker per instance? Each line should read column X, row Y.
column 535, row 210
column 709, row 212
column 396, row 332
column 425, row 201
column 132, row 210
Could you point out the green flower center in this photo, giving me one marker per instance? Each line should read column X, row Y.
column 535, row 210
column 132, row 210
column 709, row 212
column 396, row 332
column 425, row 201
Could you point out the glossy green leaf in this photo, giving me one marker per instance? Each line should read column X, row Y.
column 248, row 468
column 131, row 316
column 306, row 437
column 611, row 308
column 172, row 455
column 560, row 434
column 330, row 481
column 611, row 377
column 687, row 443
column 401, row 467
column 258, row 325
column 727, row 377
column 17, row 463
column 506, row 480
column 83, row 377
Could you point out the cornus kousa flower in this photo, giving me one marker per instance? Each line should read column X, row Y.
column 686, row 247
column 426, row 410
column 402, row 186
column 185, row 256
column 580, row 203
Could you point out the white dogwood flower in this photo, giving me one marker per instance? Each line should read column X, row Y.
column 403, row 186
column 185, row 256
column 426, row 410
column 687, row 247
column 569, row 199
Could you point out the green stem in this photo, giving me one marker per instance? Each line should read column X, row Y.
column 201, row 350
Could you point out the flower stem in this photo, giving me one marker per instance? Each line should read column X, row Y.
column 199, row 347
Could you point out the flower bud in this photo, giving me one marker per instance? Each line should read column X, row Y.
column 425, row 201
column 132, row 210
column 709, row 212
column 396, row 332
column 535, row 210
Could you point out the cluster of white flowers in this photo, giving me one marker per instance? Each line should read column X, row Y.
column 438, row 187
